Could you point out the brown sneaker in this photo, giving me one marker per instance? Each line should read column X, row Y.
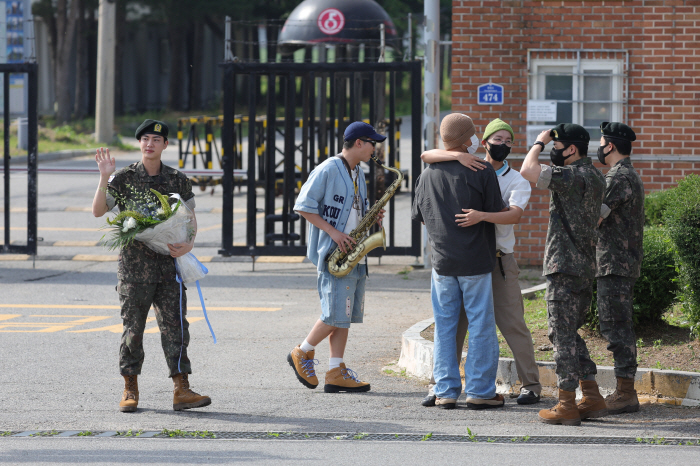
column 303, row 365
column 446, row 403
column 592, row 404
column 342, row 379
column 624, row 399
column 183, row 397
column 564, row 412
column 130, row 397
column 478, row 403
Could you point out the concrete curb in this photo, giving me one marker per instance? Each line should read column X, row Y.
column 653, row 386
column 53, row 156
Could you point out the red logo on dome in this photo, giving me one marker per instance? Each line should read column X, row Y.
column 331, row 21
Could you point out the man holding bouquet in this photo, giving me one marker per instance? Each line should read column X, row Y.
column 145, row 277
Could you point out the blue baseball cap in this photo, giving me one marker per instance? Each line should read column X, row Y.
column 359, row 129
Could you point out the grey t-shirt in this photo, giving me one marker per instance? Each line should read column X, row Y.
column 442, row 191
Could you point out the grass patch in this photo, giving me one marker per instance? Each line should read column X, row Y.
column 76, row 136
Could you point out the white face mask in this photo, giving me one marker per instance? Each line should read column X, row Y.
column 475, row 145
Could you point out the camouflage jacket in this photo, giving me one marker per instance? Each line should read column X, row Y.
column 577, row 194
column 137, row 263
column 620, row 236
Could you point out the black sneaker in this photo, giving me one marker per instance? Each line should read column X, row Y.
column 429, row 400
column 528, row 397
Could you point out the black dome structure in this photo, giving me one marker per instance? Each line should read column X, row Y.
column 337, row 22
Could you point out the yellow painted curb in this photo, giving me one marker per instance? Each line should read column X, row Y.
column 94, row 258
column 75, row 243
column 14, row 257
column 280, row 259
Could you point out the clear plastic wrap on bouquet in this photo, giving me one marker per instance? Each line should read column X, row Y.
column 189, row 269
column 177, row 229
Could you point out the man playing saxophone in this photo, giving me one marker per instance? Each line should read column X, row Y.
column 334, row 200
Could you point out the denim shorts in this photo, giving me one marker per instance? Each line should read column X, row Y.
column 342, row 299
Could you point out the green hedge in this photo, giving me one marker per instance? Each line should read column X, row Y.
column 655, row 289
column 655, row 205
column 682, row 221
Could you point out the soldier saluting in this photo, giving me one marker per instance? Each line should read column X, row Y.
column 145, row 277
column 619, row 259
column 577, row 189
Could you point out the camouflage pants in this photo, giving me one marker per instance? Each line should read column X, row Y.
column 615, row 315
column 136, row 300
column 568, row 301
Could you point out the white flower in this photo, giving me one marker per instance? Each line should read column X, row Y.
column 160, row 212
column 128, row 224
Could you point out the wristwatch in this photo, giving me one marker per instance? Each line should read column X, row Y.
column 539, row 143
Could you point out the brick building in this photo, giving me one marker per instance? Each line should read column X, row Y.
column 632, row 61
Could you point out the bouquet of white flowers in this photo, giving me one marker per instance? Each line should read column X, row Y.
column 151, row 219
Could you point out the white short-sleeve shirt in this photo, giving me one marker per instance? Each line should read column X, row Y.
column 515, row 191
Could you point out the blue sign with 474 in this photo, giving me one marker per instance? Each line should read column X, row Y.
column 490, row 94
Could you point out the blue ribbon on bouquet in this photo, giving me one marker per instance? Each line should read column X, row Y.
column 178, row 277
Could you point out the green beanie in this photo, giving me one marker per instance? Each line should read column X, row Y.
column 495, row 126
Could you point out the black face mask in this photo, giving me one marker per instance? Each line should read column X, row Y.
column 498, row 152
column 602, row 154
column 557, row 156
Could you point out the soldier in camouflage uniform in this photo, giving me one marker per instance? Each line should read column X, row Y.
column 577, row 189
column 145, row 277
column 619, row 259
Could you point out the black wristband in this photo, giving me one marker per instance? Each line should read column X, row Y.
column 539, row 143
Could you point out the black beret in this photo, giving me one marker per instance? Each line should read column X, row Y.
column 152, row 127
column 617, row 131
column 570, row 132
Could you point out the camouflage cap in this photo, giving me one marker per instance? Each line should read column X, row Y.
column 152, row 127
column 617, row 131
column 570, row 132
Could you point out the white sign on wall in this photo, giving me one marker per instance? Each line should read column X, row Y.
column 541, row 110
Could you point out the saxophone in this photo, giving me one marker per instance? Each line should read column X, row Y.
column 340, row 263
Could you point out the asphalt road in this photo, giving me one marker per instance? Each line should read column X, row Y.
column 167, row 452
column 59, row 338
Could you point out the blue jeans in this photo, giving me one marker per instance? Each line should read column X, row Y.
column 482, row 357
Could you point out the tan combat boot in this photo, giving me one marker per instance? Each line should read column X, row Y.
column 592, row 404
column 130, row 397
column 303, row 365
column 183, row 397
column 342, row 379
column 624, row 399
column 564, row 412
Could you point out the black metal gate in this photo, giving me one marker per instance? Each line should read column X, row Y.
column 317, row 100
column 30, row 71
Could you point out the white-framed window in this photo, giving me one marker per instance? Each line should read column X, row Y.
column 589, row 87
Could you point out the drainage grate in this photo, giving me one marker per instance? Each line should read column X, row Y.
column 355, row 436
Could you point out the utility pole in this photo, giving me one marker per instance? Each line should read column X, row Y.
column 431, row 109
column 431, row 112
column 106, row 39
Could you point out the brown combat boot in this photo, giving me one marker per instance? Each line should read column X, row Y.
column 342, row 379
column 130, row 397
column 564, row 412
column 592, row 404
column 183, row 397
column 624, row 399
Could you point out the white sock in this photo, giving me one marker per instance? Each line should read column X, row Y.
column 334, row 362
column 306, row 347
